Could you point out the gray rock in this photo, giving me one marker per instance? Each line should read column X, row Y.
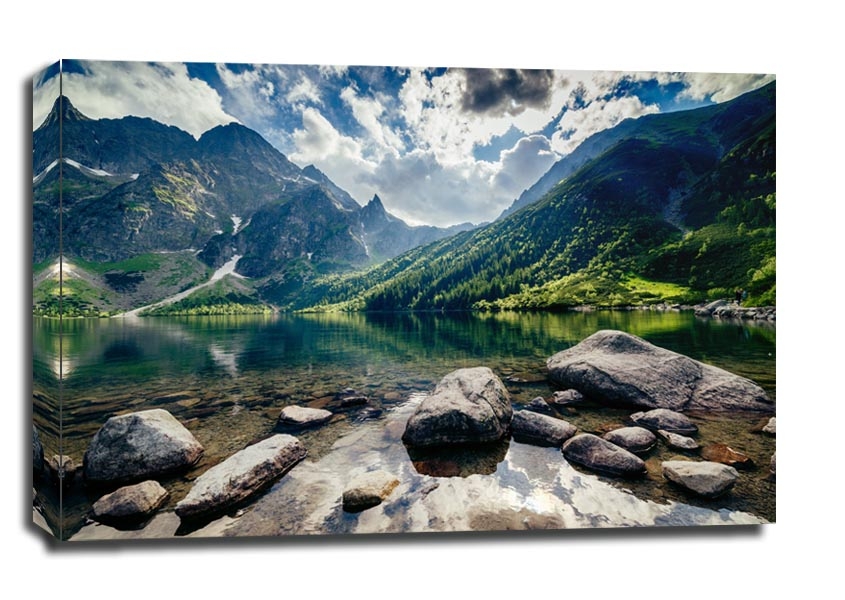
column 708, row 479
column 539, row 405
column 468, row 406
column 301, row 416
column 368, row 490
column 770, row 426
column 132, row 502
column 567, row 397
column 241, row 475
column 594, row 453
column 540, row 430
column 675, row 440
column 772, row 468
column 617, row 368
column 37, row 452
column 633, row 439
column 708, row 309
column 665, row 419
column 140, row 445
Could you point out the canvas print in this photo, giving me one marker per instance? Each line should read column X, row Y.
column 285, row 300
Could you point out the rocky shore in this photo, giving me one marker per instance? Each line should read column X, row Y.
column 469, row 412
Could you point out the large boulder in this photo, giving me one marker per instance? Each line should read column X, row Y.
column 708, row 479
column 633, row 439
column 617, row 368
column 368, row 490
column 130, row 503
column 665, row 419
column 240, row 476
column 140, row 445
column 468, row 406
column 540, row 430
column 594, row 453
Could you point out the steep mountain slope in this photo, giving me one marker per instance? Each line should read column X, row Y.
column 620, row 218
column 133, row 187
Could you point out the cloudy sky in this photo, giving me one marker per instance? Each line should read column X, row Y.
column 438, row 145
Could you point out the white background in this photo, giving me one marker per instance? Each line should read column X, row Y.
column 799, row 554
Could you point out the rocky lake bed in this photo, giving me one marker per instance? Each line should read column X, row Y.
column 558, row 446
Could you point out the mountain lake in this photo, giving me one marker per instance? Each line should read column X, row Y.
column 227, row 378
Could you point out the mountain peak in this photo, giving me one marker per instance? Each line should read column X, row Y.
column 376, row 202
column 63, row 111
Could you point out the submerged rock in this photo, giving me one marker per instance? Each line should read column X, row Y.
column 368, row 490
column 708, row 309
column 540, row 430
column 130, row 503
column 140, row 445
column 665, row 419
column 468, row 406
column 301, row 416
column 241, row 475
column 539, row 405
column 633, row 439
column 721, row 453
column 617, row 368
column 594, row 453
column 677, row 441
column 708, row 479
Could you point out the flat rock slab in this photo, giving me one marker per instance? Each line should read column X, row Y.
column 301, row 416
column 540, row 430
column 619, row 369
column 594, row 453
column 241, row 475
column 368, row 490
column 665, row 419
column 140, row 445
column 131, row 502
column 468, row 406
column 633, row 439
column 722, row 453
column 708, row 479
column 677, row 441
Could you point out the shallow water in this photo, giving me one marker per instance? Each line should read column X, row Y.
column 227, row 378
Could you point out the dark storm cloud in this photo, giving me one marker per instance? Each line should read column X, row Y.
column 500, row 91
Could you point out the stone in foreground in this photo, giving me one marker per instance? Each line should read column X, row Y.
column 301, row 416
column 130, row 503
column 540, row 430
column 594, row 453
column 665, row 419
column 708, row 479
column 677, row 441
column 140, row 445
column 368, row 490
column 468, row 406
column 633, row 439
column 241, row 475
column 619, row 369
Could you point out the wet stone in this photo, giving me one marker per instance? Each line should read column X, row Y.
column 726, row 455
column 594, row 453
column 708, row 479
column 539, row 405
column 677, row 441
column 368, row 490
column 540, row 430
column 567, row 397
column 665, row 419
column 300, row 416
column 633, row 439
column 130, row 503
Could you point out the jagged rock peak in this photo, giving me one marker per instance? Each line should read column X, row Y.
column 64, row 111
